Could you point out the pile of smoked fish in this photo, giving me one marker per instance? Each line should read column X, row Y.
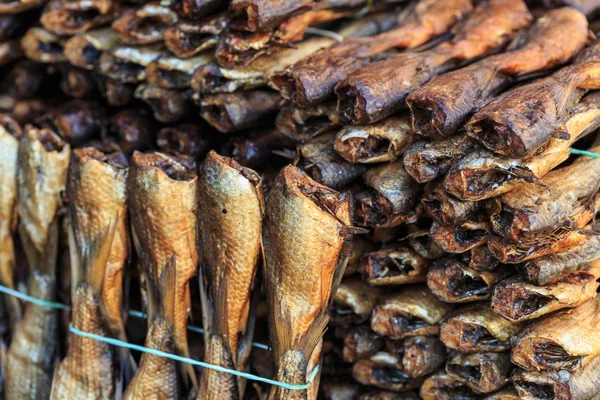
column 359, row 199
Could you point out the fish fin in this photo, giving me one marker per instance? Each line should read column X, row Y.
column 340, row 268
column 127, row 365
column 49, row 259
column 99, row 253
column 31, row 253
column 167, row 283
column 245, row 342
column 314, row 334
column 207, row 307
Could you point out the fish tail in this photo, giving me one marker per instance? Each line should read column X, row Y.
column 213, row 384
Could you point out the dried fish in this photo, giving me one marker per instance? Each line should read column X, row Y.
column 197, row 8
column 69, row 17
column 482, row 372
column 303, row 124
column 384, row 370
column 441, row 386
column 167, row 105
column 84, row 50
column 188, row 38
column 75, row 121
column 420, row 355
column 359, row 342
column 185, row 139
column 460, row 238
column 445, row 208
column 128, row 64
column 43, row 46
column 394, row 265
column 131, row 129
column 145, row 25
column 171, row 72
column 353, row 302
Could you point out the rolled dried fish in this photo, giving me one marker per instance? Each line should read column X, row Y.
column 518, row 300
column 394, row 265
column 480, row 259
column 420, row 355
column 445, row 208
column 322, row 163
column 75, row 121
column 42, row 170
column 562, row 340
column 383, row 141
column 257, row 148
column 188, row 38
column 10, row 134
column 554, row 267
column 454, row 282
column 460, row 238
column 69, row 17
column 128, row 63
column 425, row 161
column 413, row 311
column 441, row 386
column 230, row 213
column 384, row 370
column 171, row 72
column 519, row 122
column 420, row 241
column 359, row 342
column 145, row 25
column 263, row 15
column 477, row 328
column 302, row 271
column 196, row 8
column 443, row 105
column 84, row 50
column 236, row 111
column 165, row 243
column 117, row 94
column 314, row 78
column 43, row 46
column 380, row 89
column 185, row 139
column 483, row 174
column 391, row 199
column 303, row 124
column 168, row 105
column 482, row 372
column 353, row 302
column 131, row 129
column 577, row 385
column 77, row 83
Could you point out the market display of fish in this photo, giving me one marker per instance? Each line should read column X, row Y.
column 299, row 199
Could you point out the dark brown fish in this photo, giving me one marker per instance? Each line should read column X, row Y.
column 10, row 134
column 384, row 370
column 10, row 51
column 256, row 149
column 131, row 129
column 306, row 238
column 359, row 342
column 84, row 50
column 581, row 384
column 441, row 386
column 413, row 311
column 117, row 94
column 480, row 259
column 69, row 17
column 441, row 106
column 353, row 302
column 517, row 300
column 380, row 89
column 460, row 238
column 322, row 163
column 563, row 340
column 27, row 79
column 519, row 122
column 171, row 72
column 145, row 25
column 313, row 79
column 127, row 64
column 197, row 8
column 391, row 199
column 77, row 83
column 445, row 208
column 426, row 161
column 189, row 37
column 230, row 212
column 164, row 233
column 383, row 141
column 236, row 111
column 477, row 328
column 19, row 6
column 42, row 170
column 264, row 15
column 454, row 282
column 483, row 174
column 380, row 394
column 482, row 372
column 75, row 121
column 168, row 106
column 186, row 139
column 420, row 355
column 554, row 267
column 303, row 124
column 394, row 265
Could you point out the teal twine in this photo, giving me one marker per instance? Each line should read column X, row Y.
column 252, row 377
column 585, row 153
column 364, row 10
column 60, row 306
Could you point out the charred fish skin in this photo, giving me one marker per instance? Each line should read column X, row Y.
column 231, row 207
column 165, row 232
column 306, row 240
column 10, row 133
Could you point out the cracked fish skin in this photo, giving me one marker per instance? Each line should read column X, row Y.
column 165, row 229
column 88, row 372
column 42, row 166
column 10, row 133
column 306, row 241
column 231, row 207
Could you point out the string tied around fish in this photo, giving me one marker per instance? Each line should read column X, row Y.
column 175, row 357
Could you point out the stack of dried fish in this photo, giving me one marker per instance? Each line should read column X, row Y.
column 434, row 237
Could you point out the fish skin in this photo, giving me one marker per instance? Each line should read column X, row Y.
column 88, row 371
column 10, row 133
column 306, row 240
column 166, row 231
column 231, row 206
column 42, row 169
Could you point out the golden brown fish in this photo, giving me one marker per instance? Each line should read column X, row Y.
column 69, row 17
column 563, row 340
column 42, row 171
column 394, row 265
column 445, row 208
column 482, row 372
column 84, row 50
column 10, row 133
column 441, row 386
column 164, row 233
column 419, row 355
column 306, row 238
column 477, row 328
column 353, row 302
column 385, row 371
column 146, row 24
column 230, row 211
column 358, row 342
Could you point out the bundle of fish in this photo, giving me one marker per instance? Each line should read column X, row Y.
column 357, row 199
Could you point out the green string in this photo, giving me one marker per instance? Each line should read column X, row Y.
column 364, row 10
column 585, row 153
column 60, row 306
column 116, row 342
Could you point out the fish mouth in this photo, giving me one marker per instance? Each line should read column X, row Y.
column 349, row 103
column 389, row 266
column 497, row 136
column 554, row 356
column 519, row 302
column 476, row 335
column 429, row 118
column 542, row 391
column 470, row 373
column 291, row 88
column 453, row 281
column 176, row 168
column 365, row 148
